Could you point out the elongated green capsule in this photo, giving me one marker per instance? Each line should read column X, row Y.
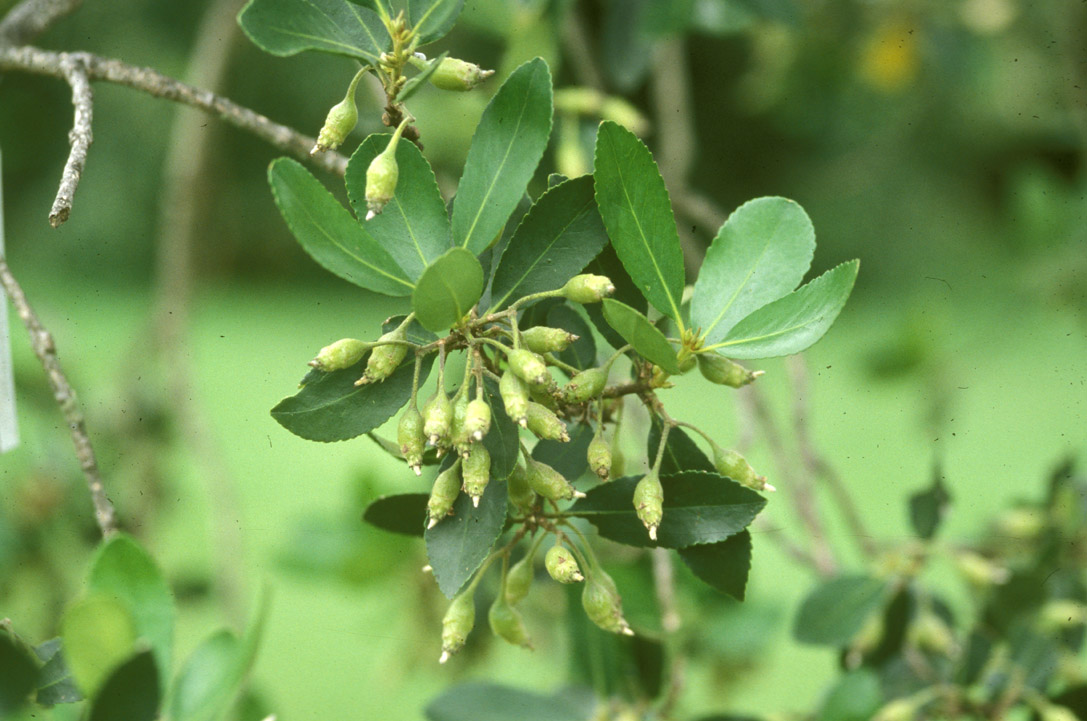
column 562, row 566
column 458, row 75
column 585, row 386
column 649, row 502
column 339, row 355
column 720, row 370
column 409, row 433
column 529, row 367
column 549, row 483
column 382, row 175
column 506, row 622
column 900, row 709
column 514, row 397
column 686, row 361
column 736, row 467
column 520, row 492
column 602, row 603
column 588, row 288
column 459, row 433
column 340, row 121
column 457, row 623
column 519, row 579
column 541, row 339
column 545, row 396
column 477, row 420
column 545, row 424
column 476, row 470
column 599, row 454
column 442, row 495
column 384, row 358
column 437, row 419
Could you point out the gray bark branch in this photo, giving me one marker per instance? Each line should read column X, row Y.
column 31, row 18
column 80, row 137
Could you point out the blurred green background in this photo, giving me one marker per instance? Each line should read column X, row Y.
column 942, row 142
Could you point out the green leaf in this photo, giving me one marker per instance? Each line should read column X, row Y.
column 795, row 322
column 419, row 79
column 286, row 27
column 855, row 697
column 131, row 693
column 929, row 507
column 680, row 452
column 634, row 204
column 414, row 227
column 491, row 702
column 124, row 571
column 835, row 611
column 506, row 148
column 724, row 564
column 432, row 19
column 502, row 441
column 329, row 233
column 761, row 253
column 560, row 235
column 447, row 290
column 608, row 265
column 569, row 458
column 699, row 507
column 636, row 330
column 55, row 682
column 459, row 543
column 18, row 674
column 98, row 633
column 403, row 513
column 332, row 408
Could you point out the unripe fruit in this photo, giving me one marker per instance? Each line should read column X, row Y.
column 476, row 469
column 545, row 424
column 409, row 433
column 979, row 570
column 384, row 359
column 514, row 397
column 507, row 624
column 339, row 355
column 585, row 386
column 649, row 502
column 1058, row 713
column 686, row 362
column 542, row 339
column 458, row 75
column 599, row 455
column 339, row 122
column 519, row 579
column 549, row 483
column 442, row 495
column 477, row 420
column 736, row 467
column 562, row 566
column 437, row 418
column 529, row 367
column 457, row 623
column 544, row 395
column 458, row 433
column 603, row 605
column 588, row 288
column 720, row 370
column 520, row 492
column 381, row 179
column 932, row 634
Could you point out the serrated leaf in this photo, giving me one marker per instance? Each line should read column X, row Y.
column 330, row 234
column 699, row 507
column 491, row 702
column 459, row 543
column 761, row 253
column 795, row 322
column 569, row 458
column 724, row 565
column 287, row 27
column 506, row 148
column 414, row 227
column 680, row 452
column 636, row 330
column 130, row 693
column 855, row 697
column 929, row 507
column 502, row 440
column 124, row 571
column 634, row 204
column 403, row 513
column 98, row 634
column 447, row 289
column 559, row 236
column 432, row 19
column 836, row 610
column 416, row 81
column 18, row 674
column 55, row 682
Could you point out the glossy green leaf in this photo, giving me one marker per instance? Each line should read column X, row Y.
column 836, row 610
column 637, row 212
column 724, row 565
column 459, row 543
column 432, row 19
column 286, row 27
column 131, row 693
column 855, row 697
column 55, row 682
column 18, row 674
column 761, row 253
column 569, row 458
column 123, row 570
column 98, row 632
column 560, row 235
column 506, row 148
column 330, row 234
column 417, row 81
column 636, row 330
column 447, row 290
column 680, row 452
column 414, row 227
column 929, row 507
column 491, row 702
column 608, row 265
column 332, row 408
column 699, row 507
column 403, row 513
column 795, row 322
column 502, row 440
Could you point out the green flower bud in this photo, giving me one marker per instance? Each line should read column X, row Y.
column 720, row 370
column 686, row 361
column 562, row 566
column 542, row 339
column 339, row 355
column 458, row 75
column 585, row 386
column 549, row 483
column 444, row 492
column 733, row 465
column 519, row 579
column 520, row 492
column 588, row 288
column 457, row 623
column 649, row 502
column 409, row 433
column 340, row 121
column 384, row 359
column 599, row 454
column 458, row 432
column 529, row 367
column 382, row 175
column 477, row 420
column 514, row 397
column 477, row 472
column 437, row 419
column 545, row 424
column 507, row 624
column 602, row 603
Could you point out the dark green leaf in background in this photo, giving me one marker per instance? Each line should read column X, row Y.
column 491, row 702
column 432, row 19
column 131, row 693
column 855, row 697
column 582, row 353
column 506, row 148
column 636, row 330
column 626, row 47
column 608, row 265
column 55, row 682
column 502, row 440
column 569, row 458
column 286, row 27
column 929, row 507
column 403, row 513
column 447, row 290
column 18, row 674
column 459, row 543
column 836, row 610
column 680, row 452
column 724, row 565
column 98, row 633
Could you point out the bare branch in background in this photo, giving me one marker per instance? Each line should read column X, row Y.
column 80, row 137
column 42, row 343
column 31, row 18
column 582, row 59
column 664, row 581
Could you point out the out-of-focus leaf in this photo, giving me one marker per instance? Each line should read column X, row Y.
column 459, row 543
column 836, row 610
column 404, row 513
column 491, row 702
column 55, row 682
column 98, row 632
column 18, row 674
column 131, row 693
column 432, row 19
column 855, row 697
column 929, row 507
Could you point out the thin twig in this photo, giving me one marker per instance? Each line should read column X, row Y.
column 42, row 343
column 582, row 58
column 80, row 137
column 31, row 18
column 664, row 581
